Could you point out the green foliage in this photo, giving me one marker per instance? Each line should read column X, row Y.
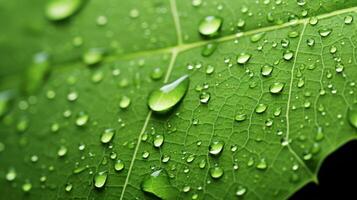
column 271, row 92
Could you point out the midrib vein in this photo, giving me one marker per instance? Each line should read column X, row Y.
column 291, row 150
column 174, row 53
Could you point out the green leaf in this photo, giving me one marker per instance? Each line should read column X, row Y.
column 264, row 107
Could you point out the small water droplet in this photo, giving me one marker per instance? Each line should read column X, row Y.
column 93, row 56
column 26, row 187
column 209, row 49
column 243, row 58
column 276, row 87
column 124, row 102
column 210, row 26
column 348, row 19
column 156, row 73
column 82, row 119
column 107, row 135
column 216, row 172
column 205, row 97
column 325, row 32
column 261, row 108
column 240, row 117
column 62, row 151
column 11, row 175
column 266, row 70
column 288, row 55
column 257, row 37
column 119, row 165
column 158, row 141
column 57, row 10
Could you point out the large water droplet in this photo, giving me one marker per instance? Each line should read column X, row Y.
column 119, row 165
column 276, row 88
column 57, row 10
column 158, row 184
column 99, row 179
column 210, row 26
column 216, row 172
column 158, row 141
column 243, row 58
column 216, row 147
column 107, row 135
column 266, row 70
column 164, row 99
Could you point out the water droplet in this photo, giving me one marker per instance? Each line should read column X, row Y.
column 210, row 26
column 261, row 108
column 348, row 19
column 134, row 13
column 313, row 21
column 119, row 165
column 158, row 184
column 205, row 97
column 241, row 191
column 124, row 102
column 164, row 99
column 156, row 73
column 325, row 32
column 57, row 10
column 209, row 70
column 339, row 68
column 72, row 96
column 102, row 20
column 216, row 172
column 145, row 154
column 26, row 187
column 202, row 164
column 310, row 42
column 100, row 179
column 93, row 56
column 257, row 37
column 158, row 141
column 62, row 151
column 262, row 164
column 11, row 175
column 209, row 49
column 216, row 147
column 68, row 187
column 243, row 58
column 352, row 117
column 266, row 70
column 82, row 119
column 107, row 135
column 240, row 117
column 276, row 88
column 196, row 3
column 288, row 55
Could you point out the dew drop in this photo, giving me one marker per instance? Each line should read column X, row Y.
column 325, row 32
column 243, row 58
column 348, row 19
column 11, row 175
column 205, row 97
column 276, row 88
column 107, row 135
column 210, row 26
column 82, row 119
column 62, row 151
column 209, row 49
column 240, row 117
column 261, row 108
column 241, row 191
column 26, row 187
column 119, row 165
column 257, row 37
column 93, row 56
column 288, row 55
column 216, row 147
column 100, row 179
column 57, row 10
column 266, row 70
column 216, row 172
column 158, row 141
column 165, row 98
column 124, row 102
column 156, row 73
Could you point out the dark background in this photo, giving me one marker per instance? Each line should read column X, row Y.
column 337, row 177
